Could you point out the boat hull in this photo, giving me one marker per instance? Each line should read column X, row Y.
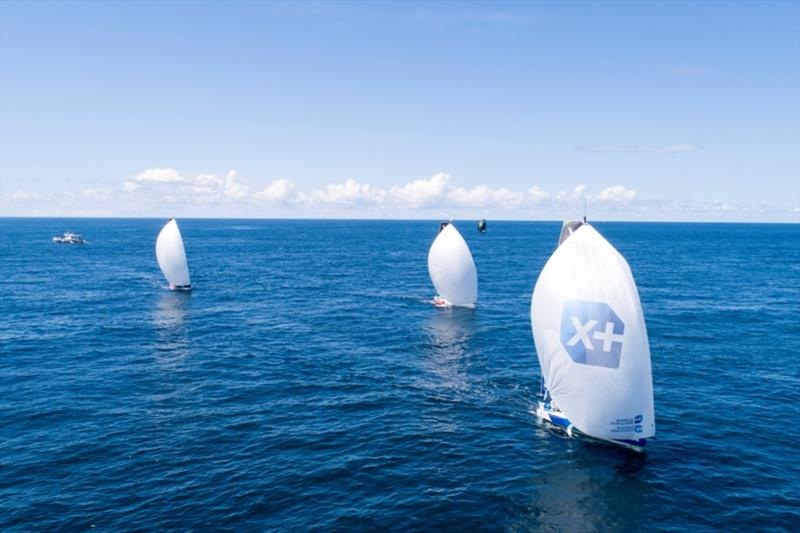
column 557, row 420
column 446, row 304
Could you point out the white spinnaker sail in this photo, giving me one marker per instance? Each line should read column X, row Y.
column 452, row 269
column 591, row 339
column 171, row 255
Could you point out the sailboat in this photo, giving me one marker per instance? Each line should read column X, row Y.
column 591, row 342
column 452, row 269
column 171, row 257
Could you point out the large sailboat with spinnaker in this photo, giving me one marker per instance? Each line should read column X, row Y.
column 591, row 342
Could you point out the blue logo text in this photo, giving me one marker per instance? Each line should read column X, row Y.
column 592, row 333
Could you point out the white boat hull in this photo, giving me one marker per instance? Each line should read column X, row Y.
column 441, row 302
column 559, row 421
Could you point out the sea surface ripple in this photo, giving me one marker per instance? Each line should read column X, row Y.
column 306, row 383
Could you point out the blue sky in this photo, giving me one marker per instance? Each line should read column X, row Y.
column 650, row 111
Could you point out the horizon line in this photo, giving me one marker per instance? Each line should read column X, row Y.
column 335, row 219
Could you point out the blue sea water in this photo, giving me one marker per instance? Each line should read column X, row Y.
column 305, row 383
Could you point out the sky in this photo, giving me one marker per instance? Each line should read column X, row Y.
column 685, row 111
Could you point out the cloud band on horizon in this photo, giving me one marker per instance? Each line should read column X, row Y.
column 156, row 190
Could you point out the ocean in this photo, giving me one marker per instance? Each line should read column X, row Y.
column 306, row 383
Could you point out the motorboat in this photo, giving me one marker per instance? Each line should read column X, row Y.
column 69, row 238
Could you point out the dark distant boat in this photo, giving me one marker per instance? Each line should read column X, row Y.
column 69, row 238
column 482, row 225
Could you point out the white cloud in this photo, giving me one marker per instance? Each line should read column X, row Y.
column 234, row 189
column 537, row 195
column 97, row 193
column 617, row 193
column 419, row 195
column 161, row 175
column 578, row 193
column 720, row 206
column 205, row 185
column 156, row 191
column 207, row 180
column 152, row 176
column 348, row 193
column 640, row 148
column 422, row 192
column 677, row 148
column 25, row 196
column 204, row 189
column 483, row 196
column 277, row 191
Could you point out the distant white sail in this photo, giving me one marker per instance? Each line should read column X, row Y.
column 172, row 257
column 591, row 339
column 452, row 269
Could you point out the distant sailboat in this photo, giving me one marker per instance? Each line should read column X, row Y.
column 452, row 269
column 591, row 341
column 172, row 257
